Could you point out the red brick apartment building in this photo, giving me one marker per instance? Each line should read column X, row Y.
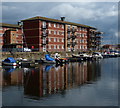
column 10, row 36
column 46, row 34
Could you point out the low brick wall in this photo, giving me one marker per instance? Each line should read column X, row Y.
column 30, row 55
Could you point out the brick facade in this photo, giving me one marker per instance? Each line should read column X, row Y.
column 10, row 36
column 47, row 34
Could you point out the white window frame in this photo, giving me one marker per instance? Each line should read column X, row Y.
column 62, row 26
column 62, row 40
column 55, row 25
column 49, row 31
column 58, row 47
column 49, row 24
column 49, row 39
column 58, row 25
column 55, row 39
column 1, row 28
column 54, row 46
column 58, row 33
column 49, row 46
column 62, row 47
column 54, row 32
column 82, row 34
column 44, row 23
column 58, row 40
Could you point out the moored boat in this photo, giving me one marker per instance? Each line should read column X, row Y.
column 9, row 62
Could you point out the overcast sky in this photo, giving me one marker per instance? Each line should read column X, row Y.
column 102, row 15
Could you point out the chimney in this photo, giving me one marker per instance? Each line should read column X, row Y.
column 62, row 18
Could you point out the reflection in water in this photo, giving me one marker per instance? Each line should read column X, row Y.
column 46, row 80
column 12, row 76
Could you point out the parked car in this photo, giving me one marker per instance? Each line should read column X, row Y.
column 27, row 50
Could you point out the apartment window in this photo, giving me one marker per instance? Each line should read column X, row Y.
column 44, row 41
column 49, row 31
column 54, row 24
column 80, row 41
column 44, row 23
column 54, row 46
column 49, row 46
column 49, row 39
column 1, row 34
column 62, row 33
column 82, row 47
column 58, row 47
column 62, row 47
column 44, row 49
column 49, row 24
column 58, row 33
column 62, row 40
column 85, row 47
column 1, row 41
column 17, row 35
column 79, row 28
column 58, row 40
column 69, row 49
column 76, row 46
column 82, row 35
column 1, row 28
column 62, row 26
column 58, row 26
column 55, row 39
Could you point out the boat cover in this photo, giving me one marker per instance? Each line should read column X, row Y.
column 10, row 60
column 48, row 58
column 48, row 67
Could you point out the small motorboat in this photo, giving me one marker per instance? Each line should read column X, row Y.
column 10, row 61
column 61, row 60
column 97, row 55
column 48, row 59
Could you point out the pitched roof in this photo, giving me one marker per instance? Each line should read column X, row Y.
column 9, row 25
column 56, row 20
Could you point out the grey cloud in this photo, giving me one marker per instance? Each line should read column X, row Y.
column 100, row 15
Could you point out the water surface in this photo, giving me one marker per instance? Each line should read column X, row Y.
column 93, row 83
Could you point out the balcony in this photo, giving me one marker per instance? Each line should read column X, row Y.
column 68, row 30
column 74, row 43
column 98, row 37
column 73, row 37
column 68, row 45
column 73, row 30
column 45, row 42
column 44, row 34
column 68, row 37
column 44, row 26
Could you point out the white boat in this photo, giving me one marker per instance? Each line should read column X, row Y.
column 97, row 55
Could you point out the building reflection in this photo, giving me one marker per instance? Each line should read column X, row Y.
column 42, row 82
column 12, row 76
column 46, row 80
